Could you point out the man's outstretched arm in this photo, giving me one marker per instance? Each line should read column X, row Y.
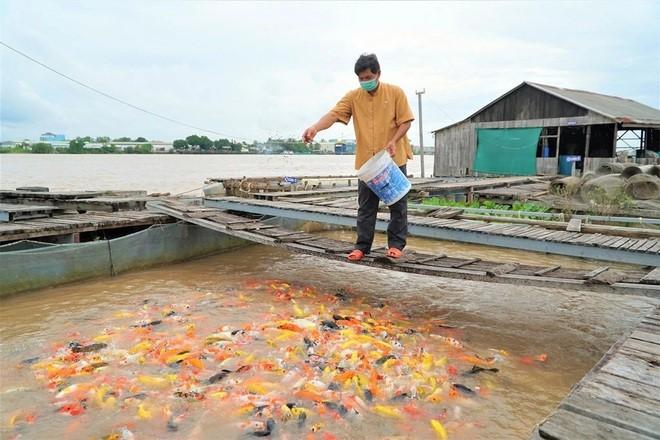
column 324, row 123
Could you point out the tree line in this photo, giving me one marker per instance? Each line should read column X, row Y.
column 191, row 144
column 77, row 146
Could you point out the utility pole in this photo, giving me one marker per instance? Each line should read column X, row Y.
column 419, row 94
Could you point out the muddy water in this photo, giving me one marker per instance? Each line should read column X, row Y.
column 572, row 328
column 165, row 172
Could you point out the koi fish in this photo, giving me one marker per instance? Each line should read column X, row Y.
column 266, row 430
column 462, row 389
column 143, row 413
column 77, row 391
column 73, row 409
column 305, row 394
column 448, row 340
column 78, row 348
column 22, row 417
column 387, row 411
column 439, row 429
column 476, row 369
column 218, row 377
column 529, row 360
column 155, row 381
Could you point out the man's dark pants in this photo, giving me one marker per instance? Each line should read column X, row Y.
column 397, row 229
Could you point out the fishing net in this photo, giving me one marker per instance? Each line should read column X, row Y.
column 565, row 186
column 643, row 187
column 588, row 176
column 602, row 188
column 630, row 171
column 653, row 170
column 610, row 168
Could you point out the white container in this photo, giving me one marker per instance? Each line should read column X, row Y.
column 384, row 178
column 214, row 189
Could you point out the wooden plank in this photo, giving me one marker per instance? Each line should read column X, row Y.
column 547, row 270
column 628, row 244
column 647, row 347
column 502, row 269
column 466, row 263
column 568, row 425
column 632, row 369
column 652, row 277
column 646, row 337
column 595, row 272
column 640, row 354
column 432, row 258
column 606, row 412
column 574, row 225
column 635, row 389
column 445, row 213
column 618, row 243
column 294, row 237
column 640, row 243
column 608, row 277
column 619, row 395
column 648, row 245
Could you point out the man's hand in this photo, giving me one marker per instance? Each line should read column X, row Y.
column 391, row 147
column 308, row 135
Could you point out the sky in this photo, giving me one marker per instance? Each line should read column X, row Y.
column 253, row 70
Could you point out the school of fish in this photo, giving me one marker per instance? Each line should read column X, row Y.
column 309, row 365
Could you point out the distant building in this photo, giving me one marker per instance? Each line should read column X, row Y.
column 326, row 147
column 158, row 146
column 50, row 137
column 345, row 147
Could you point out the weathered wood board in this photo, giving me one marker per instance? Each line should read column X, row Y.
column 619, row 398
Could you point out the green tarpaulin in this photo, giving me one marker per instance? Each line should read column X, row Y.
column 507, row 150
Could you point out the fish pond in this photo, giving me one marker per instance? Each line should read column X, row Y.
column 261, row 343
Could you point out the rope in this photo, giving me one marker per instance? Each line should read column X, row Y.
column 191, row 190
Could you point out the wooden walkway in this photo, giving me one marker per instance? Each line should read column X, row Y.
column 641, row 251
column 76, row 223
column 602, row 279
column 433, row 186
column 107, row 201
column 619, row 398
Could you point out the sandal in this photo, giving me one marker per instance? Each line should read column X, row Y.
column 394, row 252
column 356, row 255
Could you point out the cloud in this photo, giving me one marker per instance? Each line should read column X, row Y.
column 258, row 69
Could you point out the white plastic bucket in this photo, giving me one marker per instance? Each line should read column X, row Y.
column 384, row 178
column 214, row 189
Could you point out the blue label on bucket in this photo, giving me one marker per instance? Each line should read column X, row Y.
column 390, row 184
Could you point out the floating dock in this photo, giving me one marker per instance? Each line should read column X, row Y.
column 606, row 247
column 603, row 279
column 69, row 226
column 619, row 398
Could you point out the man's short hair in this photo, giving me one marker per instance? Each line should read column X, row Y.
column 367, row 61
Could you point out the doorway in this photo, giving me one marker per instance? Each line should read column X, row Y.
column 572, row 143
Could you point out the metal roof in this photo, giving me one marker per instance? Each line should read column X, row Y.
column 622, row 110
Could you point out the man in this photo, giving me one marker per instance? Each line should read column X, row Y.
column 381, row 118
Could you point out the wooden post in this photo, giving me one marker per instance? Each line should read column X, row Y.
column 616, row 138
column 558, row 141
column 586, row 149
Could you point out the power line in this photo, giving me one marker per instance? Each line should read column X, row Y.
column 119, row 100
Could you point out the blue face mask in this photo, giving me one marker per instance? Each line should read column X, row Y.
column 369, row 85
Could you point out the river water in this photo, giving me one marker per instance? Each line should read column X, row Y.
column 172, row 173
column 163, row 333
